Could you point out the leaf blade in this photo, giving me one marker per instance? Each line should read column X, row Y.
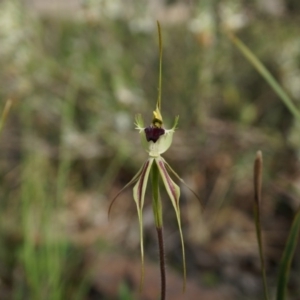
column 262, row 70
column 286, row 260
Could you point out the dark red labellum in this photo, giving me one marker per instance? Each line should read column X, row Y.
column 153, row 133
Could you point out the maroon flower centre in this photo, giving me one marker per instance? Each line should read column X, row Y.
column 153, row 133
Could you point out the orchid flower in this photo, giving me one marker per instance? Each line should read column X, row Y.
column 156, row 140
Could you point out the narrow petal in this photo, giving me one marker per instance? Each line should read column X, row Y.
column 139, row 197
column 132, row 181
column 175, row 123
column 139, row 122
column 182, row 181
column 173, row 191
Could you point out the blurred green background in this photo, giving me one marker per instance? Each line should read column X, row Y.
column 78, row 72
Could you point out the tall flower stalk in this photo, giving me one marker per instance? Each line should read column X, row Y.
column 156, row 140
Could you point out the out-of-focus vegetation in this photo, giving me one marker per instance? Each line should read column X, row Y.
column 77, row 77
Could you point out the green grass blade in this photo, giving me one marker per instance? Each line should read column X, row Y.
column 265, row 74
column 258, row 165
column 285, row 264
column 5, row 112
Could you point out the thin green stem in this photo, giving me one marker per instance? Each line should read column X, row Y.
column 157, row 210
column 162, row 262
column 156, row 201
column 260, row 248
column 258, row 166
column 160, row 66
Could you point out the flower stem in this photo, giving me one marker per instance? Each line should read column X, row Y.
column 162, row 261
column 157, row 210
column 156, row 201
column 160, row 66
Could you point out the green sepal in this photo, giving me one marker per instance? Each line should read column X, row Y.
column 139, row 197
column 183, row 182
column 173, row 191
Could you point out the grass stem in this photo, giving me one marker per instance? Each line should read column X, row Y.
column 258, row 165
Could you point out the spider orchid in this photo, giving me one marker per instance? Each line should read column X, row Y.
column 156, row 140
